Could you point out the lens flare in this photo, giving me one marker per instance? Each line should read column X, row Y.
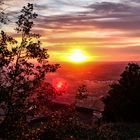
column 60, row 85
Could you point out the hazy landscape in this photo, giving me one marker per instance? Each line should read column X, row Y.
column 97, row 76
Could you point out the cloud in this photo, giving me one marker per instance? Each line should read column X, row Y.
column 109, row 7
column 107, row 15
column 107, row 25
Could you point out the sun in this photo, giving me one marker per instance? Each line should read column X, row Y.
column 77, row 56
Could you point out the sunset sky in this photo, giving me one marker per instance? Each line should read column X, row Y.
column 104, row 30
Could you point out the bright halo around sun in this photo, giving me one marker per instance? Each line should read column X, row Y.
column 77, row 56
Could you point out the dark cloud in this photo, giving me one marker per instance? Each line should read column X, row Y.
column 136, row 1
column 71, row 23
column 40, row 7
column 109, row 7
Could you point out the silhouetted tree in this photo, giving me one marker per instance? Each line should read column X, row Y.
column 123, row 100
column 3, row 17
column 82, row 92
column 23, row 66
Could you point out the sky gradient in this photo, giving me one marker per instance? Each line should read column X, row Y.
column 105, row 30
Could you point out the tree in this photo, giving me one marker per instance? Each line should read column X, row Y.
column 82, row 92
column 3, row 17
column 23, row 66
column 123, row 100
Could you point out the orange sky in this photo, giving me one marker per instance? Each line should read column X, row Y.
column 105, row 30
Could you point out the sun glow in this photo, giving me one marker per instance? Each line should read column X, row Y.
column 77, row 56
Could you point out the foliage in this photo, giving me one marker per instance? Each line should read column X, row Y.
column 118, row 131
column 65, row 124
column 123, row 100
column 3, row 17
column 23, row 66
column 108, row 132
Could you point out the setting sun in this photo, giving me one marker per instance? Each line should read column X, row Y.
column 77, row 56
